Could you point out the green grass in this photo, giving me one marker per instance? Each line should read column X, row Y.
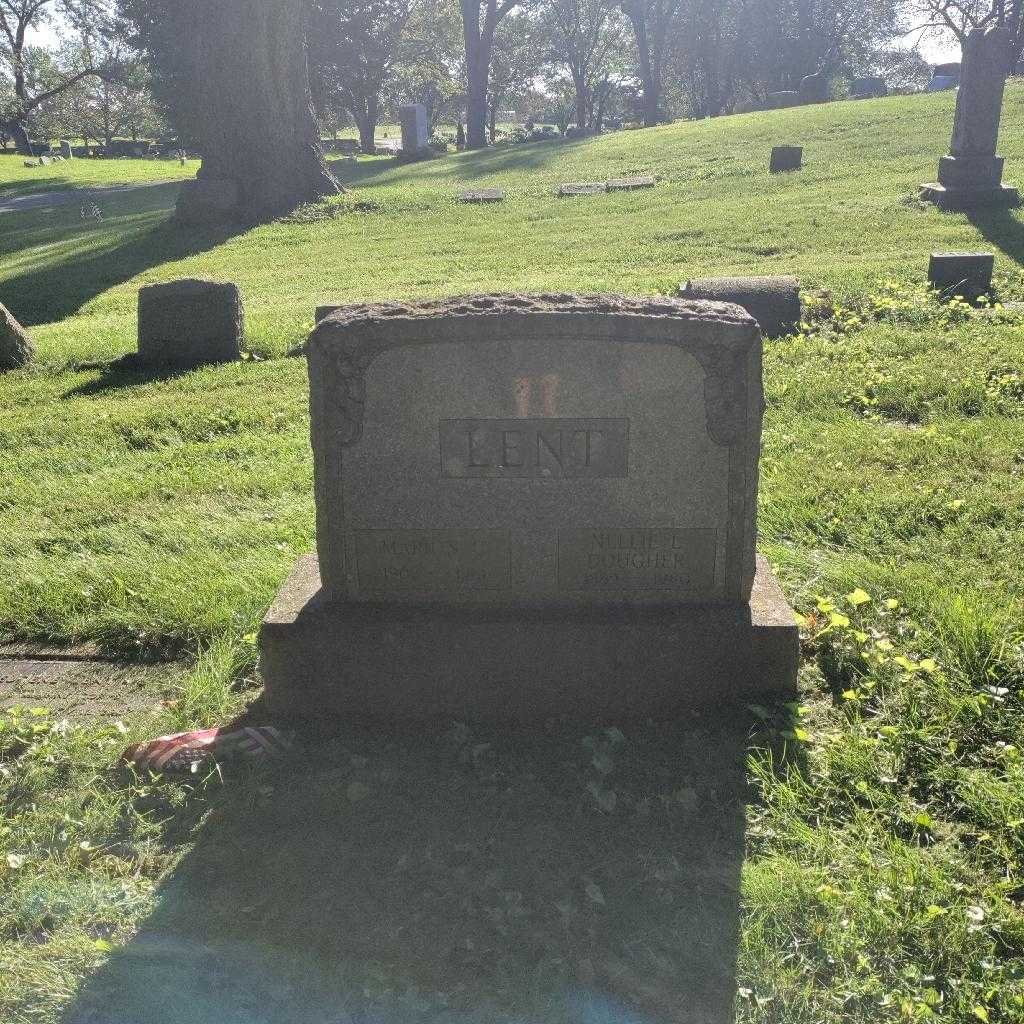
column 18, row 180
column 865, row 864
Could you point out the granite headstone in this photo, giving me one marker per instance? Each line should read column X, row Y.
column 531, row 506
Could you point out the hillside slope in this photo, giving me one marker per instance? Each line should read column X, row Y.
column 848, row 218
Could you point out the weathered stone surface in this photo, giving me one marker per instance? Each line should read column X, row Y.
column 971, row 175
column 190, row 321
column 628, row 184
column 870, row 87
column 531, row 505
column 669, row 389
column 413, row 119
column 815, row 88
column 774, row 302
column 322, row 659
column 208, row 201
column 967, row 274
column 482, row 195
column 582, row 188
column 16, row 347
column 786, row 158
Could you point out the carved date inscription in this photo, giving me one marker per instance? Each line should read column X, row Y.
column 535, row 448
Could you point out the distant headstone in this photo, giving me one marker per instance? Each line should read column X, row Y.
column 347, row 147
column 971, row 175
column 188, row 322
column 65, row 150
column 816, row 88
column 786, row 158
column 628, row 184
column 415, row 137
column 531, row 506
column 868, row 88
column 967, row 274
column 482, row 195
column 779, row 100
column 45, row 161
column 774, row 302
column 16, row 347
column 582, row 188
column 942, row 83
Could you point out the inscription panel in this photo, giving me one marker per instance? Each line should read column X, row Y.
column 428, row 561
column 641, row 559
column 535, row 448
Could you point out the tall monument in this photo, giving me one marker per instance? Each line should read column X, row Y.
column 971, row 175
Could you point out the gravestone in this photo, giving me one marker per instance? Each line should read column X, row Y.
column 631, row 183
column 413, row 119
column 482, row 195
column 871, row 87
column 188, row 322
column 530, row 506
column 815, row 88
column 65, row 150
column 774, row 302
column 967, row 274
column 16, row 347
column 786, row 158
column 582, row 188
column 971, row 175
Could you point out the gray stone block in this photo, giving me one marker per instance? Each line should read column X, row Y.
column 482, row 195
column 322, row 659
column 190, row 321
column 629, row 184
column 774, row 302
column 582, row 188
column 968, row 274
column 16, row 348
column 786, row 158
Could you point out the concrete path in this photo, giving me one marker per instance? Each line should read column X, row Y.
column 48, row 200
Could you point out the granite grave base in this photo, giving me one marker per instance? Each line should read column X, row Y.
column 323, row 661
column 957, row 199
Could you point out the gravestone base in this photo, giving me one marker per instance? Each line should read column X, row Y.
column 955, row 199
column 324, row 660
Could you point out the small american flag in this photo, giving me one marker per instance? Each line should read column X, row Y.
column 185, row 751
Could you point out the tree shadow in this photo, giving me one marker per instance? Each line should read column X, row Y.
column 460, row 877
column 49, row 292
column 480, row 163
column 1002, row 227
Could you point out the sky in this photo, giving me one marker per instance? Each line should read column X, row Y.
column 934, row 50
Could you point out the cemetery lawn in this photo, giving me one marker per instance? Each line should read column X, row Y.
column 18, row 180
column 870, row 839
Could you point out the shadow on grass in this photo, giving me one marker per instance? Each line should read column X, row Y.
column 481, row 163
column 456, row 877
column 127, row 372
column 1003, row 228
column 52, row 291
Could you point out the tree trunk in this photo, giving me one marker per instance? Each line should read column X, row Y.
column 21, row 141
column 582, row 103
column 648, row 79
column 476, row 103
column 249, row 101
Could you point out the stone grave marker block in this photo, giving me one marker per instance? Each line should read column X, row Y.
column 968, row 274
column 413, row 119
column 190, row 321
column 786, row 158
column 774, row 302
column 971, row 175
column 531, row 506
column 628, row 184
column 582, row 188
column 482, row 195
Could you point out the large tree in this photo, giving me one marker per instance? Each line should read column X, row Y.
column 353, row 48
column 234, row 77
column 26, row 88
column 480, row 20
column 653, row 24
